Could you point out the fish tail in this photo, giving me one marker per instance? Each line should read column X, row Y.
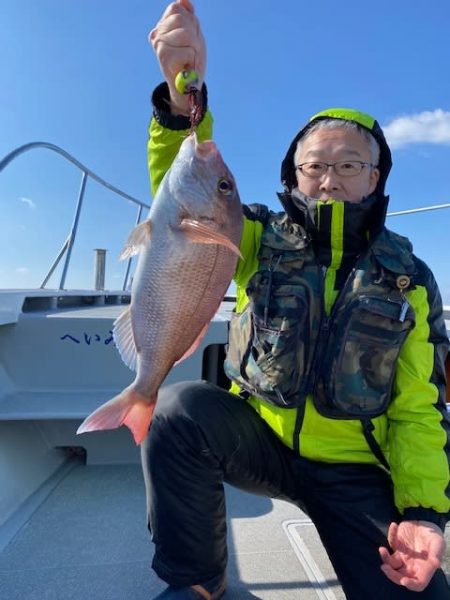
column 129, row 408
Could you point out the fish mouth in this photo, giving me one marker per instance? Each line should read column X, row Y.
column 206, row 149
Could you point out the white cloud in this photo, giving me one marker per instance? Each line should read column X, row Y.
column 28, row 201
column 22, row 270
column 431, row 127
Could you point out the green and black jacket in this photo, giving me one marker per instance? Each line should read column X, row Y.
column 343, row 248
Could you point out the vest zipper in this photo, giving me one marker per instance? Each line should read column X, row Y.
column 323, row 335
column 301, row 409
column 273, row 265
column 324, row 330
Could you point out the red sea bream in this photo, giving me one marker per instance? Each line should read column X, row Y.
column 188, row 250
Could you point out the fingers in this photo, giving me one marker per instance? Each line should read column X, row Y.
column 173, row 17
column 412, row 573
column 437, row 547
column 394, row 575
column 177, row 38
column 392, row 560
column 392, row 535
column 416, row 582
column 180, row 7
column 400, row 579
column 175, row 31
column 175, row 26
column 187, row 5
column 414, row 577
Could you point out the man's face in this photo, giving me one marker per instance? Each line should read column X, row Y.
column 330, row 146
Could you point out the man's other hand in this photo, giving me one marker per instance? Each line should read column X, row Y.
column 417, row 551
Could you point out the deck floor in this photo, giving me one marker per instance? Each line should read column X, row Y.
column 88, row 541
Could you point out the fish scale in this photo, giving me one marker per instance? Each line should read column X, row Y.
column 161, row 300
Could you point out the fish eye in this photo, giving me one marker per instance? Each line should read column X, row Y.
column 224, row 186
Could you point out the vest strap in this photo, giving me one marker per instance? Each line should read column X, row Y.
column 368, row 428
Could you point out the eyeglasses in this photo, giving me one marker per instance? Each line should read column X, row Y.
column 343, row 168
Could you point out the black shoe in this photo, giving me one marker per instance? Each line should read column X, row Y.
column 209, row 590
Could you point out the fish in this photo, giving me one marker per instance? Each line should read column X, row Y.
column 188, row 251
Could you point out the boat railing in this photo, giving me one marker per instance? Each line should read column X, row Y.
column 412, row 211
column 67, row 246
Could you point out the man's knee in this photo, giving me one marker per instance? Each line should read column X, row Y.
column 188, row 424
column 191, row 400
column 186, row 413
column 200, row 415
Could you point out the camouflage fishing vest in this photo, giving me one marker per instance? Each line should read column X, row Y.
column 283, row 347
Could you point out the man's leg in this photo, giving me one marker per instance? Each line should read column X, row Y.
column 352, row 507
column 201, row 436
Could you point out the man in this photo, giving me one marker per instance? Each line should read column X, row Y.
column 336, row 354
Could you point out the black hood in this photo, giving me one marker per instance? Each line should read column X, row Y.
column 289, row 179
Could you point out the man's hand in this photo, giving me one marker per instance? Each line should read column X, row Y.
column 418, row 548
column 179, row 45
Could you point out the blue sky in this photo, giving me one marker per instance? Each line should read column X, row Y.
column 79, row 74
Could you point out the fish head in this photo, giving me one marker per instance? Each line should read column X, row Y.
column 203, row 188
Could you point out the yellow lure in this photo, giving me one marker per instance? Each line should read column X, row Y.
column 186, row 82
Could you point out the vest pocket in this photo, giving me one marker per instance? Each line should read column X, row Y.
column 357, row 372
column 269, row 348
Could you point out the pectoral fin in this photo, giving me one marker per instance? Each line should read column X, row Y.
column 138, row 239
column 199, row 233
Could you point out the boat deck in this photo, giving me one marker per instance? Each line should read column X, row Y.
column 85, row 538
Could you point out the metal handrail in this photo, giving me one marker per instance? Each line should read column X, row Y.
column 411, row 211
column 68, row 244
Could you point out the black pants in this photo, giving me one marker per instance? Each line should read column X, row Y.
column 202, row 436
